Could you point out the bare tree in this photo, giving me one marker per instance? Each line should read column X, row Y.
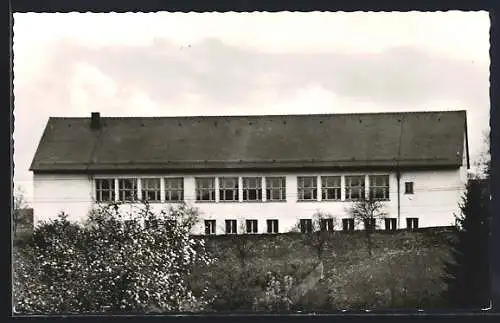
column 321, row 229
column 367, row 211
column 19, row 202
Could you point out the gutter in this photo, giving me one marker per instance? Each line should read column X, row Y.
column 398, row 171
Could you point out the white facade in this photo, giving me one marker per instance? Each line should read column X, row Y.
column 434, row 200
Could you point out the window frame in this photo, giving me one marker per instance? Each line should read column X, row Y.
column 325, row 188
column 392, row 224
column 231, row 226
column 326, row 225
column 253, row 227
column 370, row 224
column 302, row 188
column 350, row 224
column 210, row 227
column 361, row 188
column 281, row 189
column 169, row 190
column 223, row 190
column 246, row 188
column 271, row 228
column 199, row 190
column 305, row 225
column 374, row 187
column 412, row 223
column 123, row 190
column 145, row 189
column 411, row 186
column 99, row 190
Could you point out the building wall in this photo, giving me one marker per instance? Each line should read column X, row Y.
column 435, row 199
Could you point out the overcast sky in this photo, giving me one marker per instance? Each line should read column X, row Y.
column 168, row 64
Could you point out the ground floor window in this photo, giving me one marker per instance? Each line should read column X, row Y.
column 251, row 226
column 326, row 225
column 370, row 224
column 272, row 226
column 390, row 224
column 412, row 223
column 209, row 226
column 105, row 190
column 127, row 189
column 348, row 224
column 231, row 227
column 305, row 225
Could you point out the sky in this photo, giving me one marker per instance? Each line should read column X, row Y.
column 179, row 64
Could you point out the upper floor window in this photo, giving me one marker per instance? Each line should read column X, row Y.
column 354, row 187
column 150, row 188
column 205, row 189
column 276, row 188
column 105, row 189
column 228, row 188
column 252, row 189
column 127, row 189
column 330, row 188
column 408, row 187
column 174, row 189
column 307, row 188
column 379, row 187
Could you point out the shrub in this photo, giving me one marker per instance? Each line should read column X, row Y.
column 136, row 262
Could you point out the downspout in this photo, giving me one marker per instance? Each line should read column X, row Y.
column 398, row 171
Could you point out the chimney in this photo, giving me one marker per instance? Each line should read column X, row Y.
column 95, row 121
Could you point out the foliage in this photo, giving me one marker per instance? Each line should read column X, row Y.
column 135, row 262
column 467, row 274
column 318, row 237
column 367, row 211
column 277, row 295
column 19, row 202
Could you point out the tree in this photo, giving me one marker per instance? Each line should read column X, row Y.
column 367, row 211
column 138, row 261
column 322, row 227
column 467, row 274
column 19, row 203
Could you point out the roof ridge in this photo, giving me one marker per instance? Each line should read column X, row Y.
column 272, row 115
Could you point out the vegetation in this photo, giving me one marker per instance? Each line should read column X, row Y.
column 112, row 263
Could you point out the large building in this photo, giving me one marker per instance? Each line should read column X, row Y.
column 258, row 174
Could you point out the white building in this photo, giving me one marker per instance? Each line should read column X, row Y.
column 258, row 173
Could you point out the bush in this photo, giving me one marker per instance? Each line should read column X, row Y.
column 137, row 262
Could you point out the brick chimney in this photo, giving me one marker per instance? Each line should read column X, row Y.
column 95, row 121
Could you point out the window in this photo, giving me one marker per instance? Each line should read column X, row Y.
column 354, row 187
column 330, row 188
column 174, row 189
column 379, row 187
column 305, row 225
column 150, row 188
column 370, row 224
column 228, row 188
column 348, row 224
column 412, row 223
column 231, row 227
column 205, row 189
column 150, row 224
column 307, row 188
column 276, row 188
column 408, row 187
column 252, row 226
column 252, row 189
column 326, row 225
column 390, row 224
column 272, row 226
column 209, row 226
column 127, row 189
column 105, row 190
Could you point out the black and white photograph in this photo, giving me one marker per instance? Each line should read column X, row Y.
column 251, row 162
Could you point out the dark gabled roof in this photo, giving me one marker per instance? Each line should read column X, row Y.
column 239, row 142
